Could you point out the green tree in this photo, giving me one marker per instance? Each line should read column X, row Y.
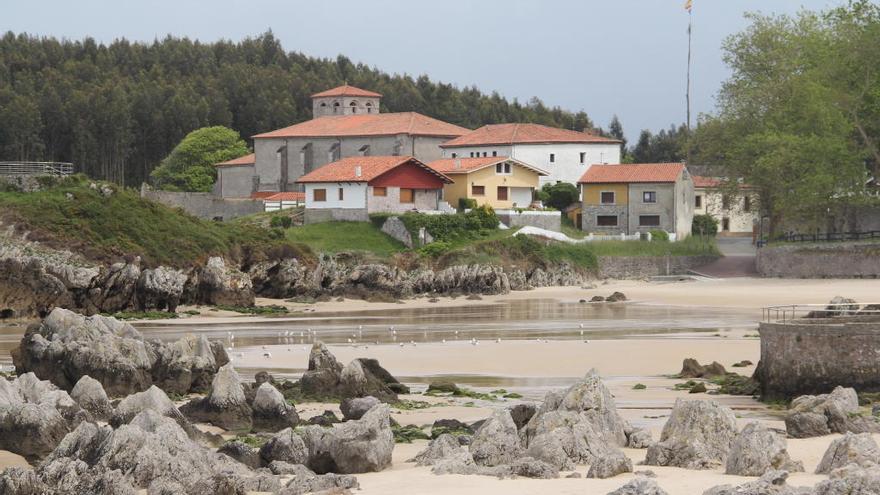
column 667, row 146
column 190, row 165
column 560, row 195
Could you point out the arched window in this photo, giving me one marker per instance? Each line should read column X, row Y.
column 354, row 107
column 336, row 107
column 369, row 107
column 323, row 104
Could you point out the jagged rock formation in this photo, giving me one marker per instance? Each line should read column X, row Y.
column 219, row 283
column 355, row 408
column 837, row 412
column 698, row 435
column 66, row 346
column 850, row 480
column 859, row 449
column 610, row 465
column 153, row 399
column 691, row 368
column 326, row 377
column 773, row 482
column 640, row 486
column 90, row 396
column 358, row 446
column 757, row 450
column 270, row 411
column 497, row 441
column 225, row 405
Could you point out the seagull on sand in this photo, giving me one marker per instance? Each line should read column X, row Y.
column 267, row 354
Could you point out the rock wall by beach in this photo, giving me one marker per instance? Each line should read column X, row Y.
column 815, row 356
column 635, row 267
column 833, row 260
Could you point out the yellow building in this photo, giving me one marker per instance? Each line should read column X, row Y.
column 496, row 181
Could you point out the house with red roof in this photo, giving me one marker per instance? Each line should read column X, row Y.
column 564, row 154
column 352, row 188
column 499, row 182
column 738, row 214
column 346, row 123
column 635, row 198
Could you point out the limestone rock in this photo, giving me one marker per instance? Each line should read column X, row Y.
column 859, row 449
column 306, row 481
column 188, row 364
column 90, row 395
column 222, row 284
column 21, row 481
column 640, row 486
column 756, row 450
column 160, row 289
column 851, row 480
column 356, row 380
column 610, row 465
column 356, row 446
column 522, row 413
column 497, row 441
column 639, row 438
column 242, row 453
column 772, row 482
column 528, row 467
column 326, row 377
column 690, row 368
column 286, row 446
column 817, row 415
column 355, row 408
column 444, row 448
column 698, row 435
column 270, row 411
column 225, row 406
column 153, row 399
column 323, row 373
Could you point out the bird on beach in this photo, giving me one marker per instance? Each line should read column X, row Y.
column 267, row 354
column 498, row 340
column 582, row 325
column 401, row 344
column 444, row 341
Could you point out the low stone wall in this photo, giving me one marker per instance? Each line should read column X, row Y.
column 832, row 260
column 318, row 215
column 635, row 267
column 205, row 205
column 549, row 220
column 814, row 356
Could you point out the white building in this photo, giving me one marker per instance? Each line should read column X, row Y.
column 737, row 215
column 564, row 154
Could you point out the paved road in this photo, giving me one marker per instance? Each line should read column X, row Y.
column 738, row 260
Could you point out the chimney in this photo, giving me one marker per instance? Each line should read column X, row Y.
column 357, row 171
column 458, row 163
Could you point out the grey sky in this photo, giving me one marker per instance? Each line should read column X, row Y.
column 615, row 56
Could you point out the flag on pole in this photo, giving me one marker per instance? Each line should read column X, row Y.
column 688, row 5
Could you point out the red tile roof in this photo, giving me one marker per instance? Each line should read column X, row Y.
column 346, row 90
column 468, row 165
column 635, row 172
column 286, row 196
column 499, row 134
column 262, row 194
column 701, row 181
column 376, row 124
column 237, row 162
column 371, row 167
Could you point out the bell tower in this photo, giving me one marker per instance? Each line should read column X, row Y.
column 345, row 100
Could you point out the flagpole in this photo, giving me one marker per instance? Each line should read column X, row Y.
column 689, row 7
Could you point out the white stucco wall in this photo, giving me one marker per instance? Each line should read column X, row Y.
column 521, row 196
column 354, row 195
column 740, row 221
column 566, row 167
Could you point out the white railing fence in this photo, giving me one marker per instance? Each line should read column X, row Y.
column 58, row 169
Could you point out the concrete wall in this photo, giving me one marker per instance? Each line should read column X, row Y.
column 813, row 357
column 205, row 205
column 739, row 220
column 684, row 206
column 353, row 197
column 638, row 267
column 664, row 207
column 828, row 260
column 550, row 220
column 236, row 182
column 318, row 215
column 589, row 222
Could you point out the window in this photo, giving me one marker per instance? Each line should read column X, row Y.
column 606, row 220
column 502, row 168
column 747, row 204
column 454, row 155
column 353, row 106
column 649, row 196
column 407, row 195
column 698, row 201
column 494, row 153
column 365, row 150
column 472, row 154
column 649, row 220
column 323, row 104
column 725, row 224
column 369, row 107
column 380, row 191
column 606, row 197
column 502, row 193
column 341, row 194
column 725, row 202
column 552, row 157
column 336, row 107
column 478, row 190
column 583, row 157
column 319, row 195
column 484, row 154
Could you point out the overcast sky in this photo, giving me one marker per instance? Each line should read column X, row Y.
column 624, row 57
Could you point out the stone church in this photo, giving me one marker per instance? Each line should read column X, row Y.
column 346, row 122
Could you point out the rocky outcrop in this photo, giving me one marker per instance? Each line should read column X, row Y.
column 691, row 368
column 284, row 446
column 497, row 441
column 242, row 453
column 219, row 283
column 756, row 450
column 270, row 411
column 225, row 405
column 327, row 378
column 357, row 446
column 859, row 449
column 773, row 482
column 153, row 399
column 817, row 415
column 610, row 465
column 90, row 396
column 640, row 486
column 66, row 346
column 306, row 481
column 35, row 416
column 578, row 425
column 698, row 435
column 443, row 449
column 160, row 289
column 355, row 408
column 850, row 480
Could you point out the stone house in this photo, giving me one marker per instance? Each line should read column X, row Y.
column 738, row 215
column 346, row 123
column 499, row 182
column 564, row 154
column 352, row 188
column 636, row 198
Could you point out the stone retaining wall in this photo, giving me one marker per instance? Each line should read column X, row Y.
column 205, row 205
column 832, row 260
column 636, row 267
column 549, row 220
column 317, row 215
column 814, row 356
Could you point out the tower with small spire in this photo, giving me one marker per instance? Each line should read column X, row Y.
column 345, row 100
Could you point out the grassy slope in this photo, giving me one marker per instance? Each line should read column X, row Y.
column 333, row 237
column 107, row 228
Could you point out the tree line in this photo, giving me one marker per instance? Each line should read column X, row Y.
column 116, row 110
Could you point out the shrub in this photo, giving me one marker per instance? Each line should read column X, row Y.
column 282, row 222
column 378, row 219
column 560, row 195
column 451, row 227
column 190, row 165
column 435, row 249
column 466, row 204
column 704, row 225
column 659, row 235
